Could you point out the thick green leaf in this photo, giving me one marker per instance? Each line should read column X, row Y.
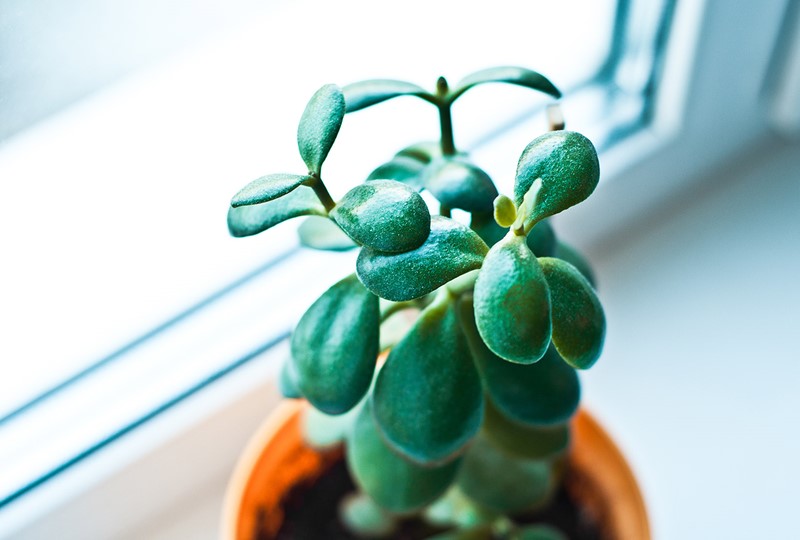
column 450, row 250
column 567, row 164
column 456, row 183
column 427, row 401
column 487, row 228
column 502, row 482
column 454, row 509
column 540, row 532
column 579, row 324
column 384, row 215
column 542, row 394
column 402, row 169
column 393, row 482
column 321, row 233
column 287, row 382
column 520, row 440
column 267, row 188
column 565, row 252
column 506, row 74
column 542, row 239
column 319, row 126
column 335, row 345
column 512, row 302
column 363, row 94
column 256, row 218
column 365, row 518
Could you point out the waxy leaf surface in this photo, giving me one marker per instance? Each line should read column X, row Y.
column 321, row 233
column 256, row 218
column 335, row 345
column 579, row 324
column 506, row 74
column 363, row 94
column 502, row 482
column 567, row 164
column 287, row 381
column 393, row 482
column 267, row 188
column 457, row 183
column 450, row 250
column 427, row 401
column 512, row 302
column 565, row 252
column 384, row 215
column 319, row 126
column 542, row 239
column 542, row 394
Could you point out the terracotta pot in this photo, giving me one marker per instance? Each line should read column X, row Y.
column 276, row 458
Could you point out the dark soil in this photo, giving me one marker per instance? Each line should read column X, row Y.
column 311, row 513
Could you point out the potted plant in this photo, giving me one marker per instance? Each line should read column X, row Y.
column 466, row 426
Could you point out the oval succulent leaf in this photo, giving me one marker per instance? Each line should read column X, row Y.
column 451, row 249
column 324, row 431
column 424, row 152
column 402, row 169
column 512, row 302
column 502, row 482
column 427, row 401
column 506, row 74
column 520, row 440
column 457, row 183
column 542, row 394
column 256, row 218
column 335, row 345
column 365, row 518
column 319, row 126
column 267, row 188
column 384, row 215
column 395, row 483
column 363, row 94
column 504, row 211
column 287, row 381
column 566, row 162
column 579, row 324
column 321, row 233
column 487, row 228
column 565, row 252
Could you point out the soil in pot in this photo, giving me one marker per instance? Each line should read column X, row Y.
column 310, row 513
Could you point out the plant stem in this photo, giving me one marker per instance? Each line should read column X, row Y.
column 445, row 118
column 322, row 192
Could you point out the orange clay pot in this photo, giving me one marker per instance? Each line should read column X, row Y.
column 277, row 458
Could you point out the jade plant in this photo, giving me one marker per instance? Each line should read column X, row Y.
column 484, row 313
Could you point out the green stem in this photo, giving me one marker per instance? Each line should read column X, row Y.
column 445, row 118
column 322, row 192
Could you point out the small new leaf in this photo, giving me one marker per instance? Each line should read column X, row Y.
column 504, row 211
column 256, row 218
column 267, row 188
column 579, row 324
column 319, row 126
column 450, row 250
column 366, row 93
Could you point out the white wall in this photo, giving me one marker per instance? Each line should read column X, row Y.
column 700, row 377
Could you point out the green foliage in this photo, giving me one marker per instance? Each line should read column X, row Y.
column 512, row 302
column 470, row 412
column 395, row 483
column 450, row 250
column 384, row 215
column 335, row 345
column 427, row 399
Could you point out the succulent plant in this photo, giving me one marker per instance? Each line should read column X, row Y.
column 465, row 423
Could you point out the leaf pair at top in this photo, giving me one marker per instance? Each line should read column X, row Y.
column 367, row 93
